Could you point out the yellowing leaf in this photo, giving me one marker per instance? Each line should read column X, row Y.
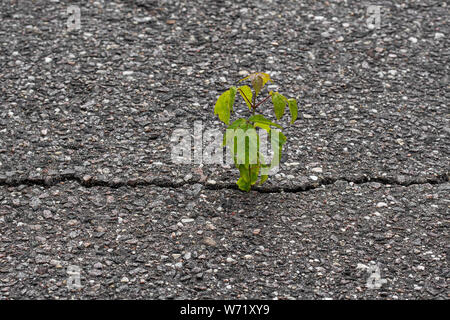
column 257, row 83
column 258, row 80
column 246, row 93
column 224, row 105
column 265, row 77
column 293, row 109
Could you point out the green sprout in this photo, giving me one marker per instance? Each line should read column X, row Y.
column 241, row 136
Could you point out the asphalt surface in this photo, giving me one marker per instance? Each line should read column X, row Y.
column 87, row 180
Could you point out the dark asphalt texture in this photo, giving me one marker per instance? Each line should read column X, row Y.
column 87, row 180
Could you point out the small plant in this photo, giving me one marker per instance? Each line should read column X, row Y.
column 241, row 137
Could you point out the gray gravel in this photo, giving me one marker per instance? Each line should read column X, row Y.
column 374, row 103
column 159, row 243
column 86, row 177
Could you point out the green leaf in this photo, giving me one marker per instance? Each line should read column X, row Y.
column 237, row 123
column 232, row 97
column 254, row 173
column 260, row 119
column 224, row 105
column 246, row 93
column 244, row 182
column 293, row 109
column 245, row 174
column 279, row 104
column 263, row 126
column 264, row 177
column 244, row 185
column 248, row 176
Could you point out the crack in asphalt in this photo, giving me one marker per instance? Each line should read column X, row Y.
column 89, row 182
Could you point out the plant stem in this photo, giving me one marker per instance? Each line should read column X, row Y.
column 253, row 113
column 253, row 105
column 262, row 101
